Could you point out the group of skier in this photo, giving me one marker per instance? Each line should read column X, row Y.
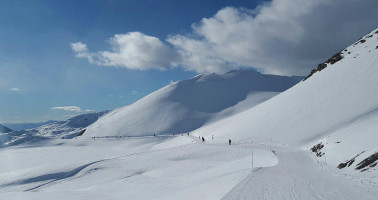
column 202, row 138
column 212, row 137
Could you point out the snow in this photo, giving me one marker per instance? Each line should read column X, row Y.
column 273, row 132
column 291, row 179
column 65, row 129
column 21, row 126
column 4, row 129
column 86, row 168
column 187, row 105
column 180, row 141
column 339, row 102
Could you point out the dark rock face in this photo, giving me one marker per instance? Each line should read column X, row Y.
column 334, row 59
column 364, row 165
column 81, row 133
column 349, row 162
column 316, row 149
column 368, row 162
column 338, row 56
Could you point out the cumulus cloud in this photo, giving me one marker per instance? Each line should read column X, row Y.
column 15, row 89
column 67, row 108
column 132, row 50
column 287, row 37
column 81, row 51
column 280, row 37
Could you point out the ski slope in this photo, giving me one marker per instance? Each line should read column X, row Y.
column 337, row 105
column 187, row 105
column 162, row 167
column 168, row 167
column 297, row 176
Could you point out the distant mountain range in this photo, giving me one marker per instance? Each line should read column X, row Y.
column 21, row 126
column 62, row 129
column 4, row 129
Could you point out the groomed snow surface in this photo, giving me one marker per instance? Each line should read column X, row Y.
column 168, row 167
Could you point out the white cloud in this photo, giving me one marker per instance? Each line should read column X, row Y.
column 67, row 108
column 134, row 92
column 132, row 50
column 15, row 89
column 281, row 37
column 71, row 108
column 79, row 47
column 81, row 51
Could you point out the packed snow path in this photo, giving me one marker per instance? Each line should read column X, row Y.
column 166, row 168
column 297, row 176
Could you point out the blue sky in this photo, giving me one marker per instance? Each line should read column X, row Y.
column 37, row 61
column 99, row 55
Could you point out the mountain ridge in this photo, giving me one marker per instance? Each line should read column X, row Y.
column 187, row 105
column 4, row 129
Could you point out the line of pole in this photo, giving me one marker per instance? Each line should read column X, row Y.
column 252, row 160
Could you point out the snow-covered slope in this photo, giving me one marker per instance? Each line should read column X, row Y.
column 3, row 134
column 187, row 105
column 21, row 126
column 63, row 129
column 337, row 104
column 4, row 129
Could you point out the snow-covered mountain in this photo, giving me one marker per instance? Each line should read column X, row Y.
column 334, row 112
column 22, row 126
column 187, row 105
column 63, row 129
column 4, row 129
column 335, row 107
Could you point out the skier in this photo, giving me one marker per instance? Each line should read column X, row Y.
column 229, row 141
column 203, row 139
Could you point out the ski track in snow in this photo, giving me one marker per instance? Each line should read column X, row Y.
column 59, row 177
column 225, row 174
column 297, row 176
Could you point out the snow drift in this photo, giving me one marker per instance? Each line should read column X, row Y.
column 187, row 105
